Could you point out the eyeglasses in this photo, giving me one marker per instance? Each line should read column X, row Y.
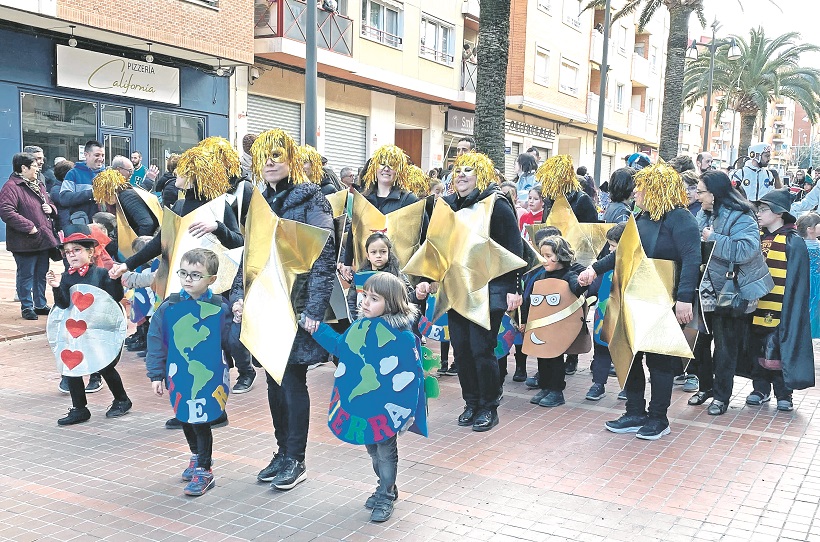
column 699, row 192
column 195, row 276
column 130, row 171
column 762, row 209
column 74, row 252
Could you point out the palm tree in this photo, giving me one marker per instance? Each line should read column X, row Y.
column 766, row 70
column 493, row 57
column 679, row 13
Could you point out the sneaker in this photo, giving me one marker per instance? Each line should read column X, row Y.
column 382, row 510
column 785, row 405
column 42, row 311
column 221, row 421
column 63, row 385
column 188, row 473
column 75, row 415
column 137, row 344
column 596, row 392
column 95, row 383
column 293, row 472
column 29, row 314
column 757, row 398
column 201, row 481
column 536, row 399
column 622, row 395
column 173, row 423
column 680, row 380
column 453, row 370
column 244, row 383
column 570, row 366
column 520, row 375
column 444, row 367
column 692, row 384
column 119, row 408
column 628, row 423
column 653, row 429
column 373, row 499
column 532, row 382
column 142, row 353
column 553, row 399
column 269, row 473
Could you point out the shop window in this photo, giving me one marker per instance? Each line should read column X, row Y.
column 116, row 116
column 436, row 41
column 58, row 125
column 568, row 78
column 381, row 23
column 171, row 133
column 542, row 66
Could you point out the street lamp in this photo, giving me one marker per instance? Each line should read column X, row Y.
column 692, row 54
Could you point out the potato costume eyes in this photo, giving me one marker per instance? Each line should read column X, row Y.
column 557, row 321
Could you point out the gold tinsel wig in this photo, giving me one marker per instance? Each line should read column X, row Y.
column 264, row 146
column 309, row 154
column 417, row 181
column 663, row 189
column 557, row 177
column 484, row 168
column 204, row 171
column 107, row 184
column 394, row 157
column 225, row 153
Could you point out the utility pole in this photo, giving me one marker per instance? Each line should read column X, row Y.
column 310, row 74
column 599, row 136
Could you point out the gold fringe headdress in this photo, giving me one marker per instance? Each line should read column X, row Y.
column 417, row 181
column 484, row 168
column 204, row 171
column 224, row 152
column 309, row 154
column 264, row 145
column 557, row 177
column 394, row 157
column 107, row 184
column 663, row 189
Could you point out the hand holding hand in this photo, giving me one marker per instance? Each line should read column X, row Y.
column 310, row 325
column 683, row 311
column 117, row 270
column 157, row 386
column 513, row 301
column 345, row 271
column 587, row 276
column 422, row 290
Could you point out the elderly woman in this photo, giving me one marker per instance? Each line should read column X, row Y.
column 28, row 213
column 727, row 220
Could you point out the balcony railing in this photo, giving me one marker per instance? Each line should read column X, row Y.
column 434, row 54
column 640, row 70
column 469, row 75
column 381, row 36
column 637, row 123
column 592, row 108
column 287, row 19
column 596, row 48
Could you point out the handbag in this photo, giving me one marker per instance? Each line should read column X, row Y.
column 729, row 302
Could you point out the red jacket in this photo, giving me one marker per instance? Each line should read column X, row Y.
column 21, row 210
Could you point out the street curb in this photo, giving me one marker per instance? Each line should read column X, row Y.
column 22, row 335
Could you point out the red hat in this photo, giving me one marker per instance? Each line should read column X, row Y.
column 77, row 233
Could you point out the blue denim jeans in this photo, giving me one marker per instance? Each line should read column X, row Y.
column 31, row 278
column 290, row 410
column 385, row 457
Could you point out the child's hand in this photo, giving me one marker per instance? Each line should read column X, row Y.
column 522, row 327
column 157, row 387
column 237, row 309
column 422, row 290
column 52, row 279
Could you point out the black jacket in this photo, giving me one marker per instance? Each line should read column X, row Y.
column 137, row 213
column 504, row 231
column 165, row 180
column 582, row 205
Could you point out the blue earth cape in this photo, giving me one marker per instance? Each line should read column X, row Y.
column 600, row 308
column 378, row 389
column 508, row 335
column 198, row 377
column 438, row 330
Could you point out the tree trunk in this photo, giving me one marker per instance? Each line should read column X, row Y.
column 673, row 83
column 491, row 87
column 747, row 126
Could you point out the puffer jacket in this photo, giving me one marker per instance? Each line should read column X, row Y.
column 734, row 229
column 21, row 210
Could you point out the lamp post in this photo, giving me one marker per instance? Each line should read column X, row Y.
column 599, row 134
column 692, row 54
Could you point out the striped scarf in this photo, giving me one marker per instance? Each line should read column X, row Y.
column 767, row 315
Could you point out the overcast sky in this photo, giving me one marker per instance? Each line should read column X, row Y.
column 796, row 15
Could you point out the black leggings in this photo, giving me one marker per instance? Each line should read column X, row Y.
column 77, row 389
column 200, row 441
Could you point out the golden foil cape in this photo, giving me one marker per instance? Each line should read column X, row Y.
column 460, row 255
column 402, row 226
column 586, row 239
column 639, row 316
column 176, row 241
column 277, row 250
column 125, row 233
column 337, row 309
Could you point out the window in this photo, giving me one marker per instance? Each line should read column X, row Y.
column 622, row 40
column 640, row 48
column 684, row 127
column 545, row 5
column 116, row 116
column 572, row 13
column 653, row 59
column 619, row 97
column 436, row 41
column 650, row 110
column 683, row 148
column 381, row 23
column 209, row 3
column 568, row 77
column 60, row 126
column 542, row 66
column 171, row 133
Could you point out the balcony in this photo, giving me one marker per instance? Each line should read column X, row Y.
column 596, row 48
column 638, row 124
column 286, row 19
column 469, row 75
column 778, row 120
column 471, row 9
column 592, row 109
column 640, row 71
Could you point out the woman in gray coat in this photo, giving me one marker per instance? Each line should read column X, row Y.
column 727, row 220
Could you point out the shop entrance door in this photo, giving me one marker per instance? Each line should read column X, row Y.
column 115, row 144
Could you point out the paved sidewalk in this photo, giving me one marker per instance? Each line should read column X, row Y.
column 542, row 474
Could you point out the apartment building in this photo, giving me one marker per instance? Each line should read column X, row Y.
column 779, row 131
column 690, row 130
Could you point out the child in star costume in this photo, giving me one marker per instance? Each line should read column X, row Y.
column 78, row 247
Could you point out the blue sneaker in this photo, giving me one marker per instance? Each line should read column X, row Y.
column 188, row 473
column 201, row 481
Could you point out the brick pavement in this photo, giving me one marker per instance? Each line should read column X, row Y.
column 542, row 474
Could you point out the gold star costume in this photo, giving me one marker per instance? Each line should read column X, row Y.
column 639, row 317
column 459, row 253
column 402, row 226
column 587, row 240
column 277, row 251
column 337, row 308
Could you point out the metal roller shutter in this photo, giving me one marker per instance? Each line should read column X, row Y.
column 606, row 168
column 267, row 114
column 345, row 140
column 509, row 161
